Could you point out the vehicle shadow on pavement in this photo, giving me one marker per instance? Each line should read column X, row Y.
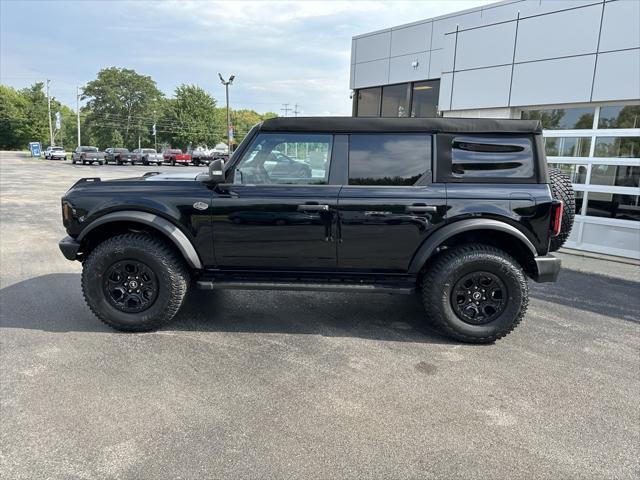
column 608, row 296
column 54, row 303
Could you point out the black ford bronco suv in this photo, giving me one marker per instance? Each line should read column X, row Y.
column 459, row 211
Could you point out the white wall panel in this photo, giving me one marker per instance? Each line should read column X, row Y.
column 352, row 77
column 486, row 46
column 416, row 38
column 565, row 80
column 446, row 64
column 620, row 25
column 444, row 100
column 617, row 76
column 572, row 32
column 435, row 66
column 483, row 88
column 446, row 25
column 402, row 70
column 373, row 47
column 371, row 73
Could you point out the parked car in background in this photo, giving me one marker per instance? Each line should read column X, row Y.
column 55, row 153
column 175, row 156
column 146, row 156
column 201, row 155
column 87, row 155
column 117, row 155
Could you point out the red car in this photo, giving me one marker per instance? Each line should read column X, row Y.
column 175, row 156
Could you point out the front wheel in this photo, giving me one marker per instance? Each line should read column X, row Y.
column 475, row 293
column 134, row 282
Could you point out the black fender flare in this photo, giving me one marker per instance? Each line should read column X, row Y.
column 156, row 222
column 442, row 234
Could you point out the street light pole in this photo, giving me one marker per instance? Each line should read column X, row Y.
column 226, row 86
column 78, row 112
column 49, row 114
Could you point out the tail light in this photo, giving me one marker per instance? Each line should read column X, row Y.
column 556, row 217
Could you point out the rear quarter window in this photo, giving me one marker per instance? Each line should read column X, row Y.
column 486, row 158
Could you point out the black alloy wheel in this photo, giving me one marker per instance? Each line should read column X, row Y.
column 130, row 286
column 479, row 298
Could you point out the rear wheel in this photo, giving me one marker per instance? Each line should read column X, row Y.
column 562, row 189
column 134, row 282
column 475, row 293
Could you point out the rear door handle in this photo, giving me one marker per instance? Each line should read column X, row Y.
column 313, row 208
column 421, row 208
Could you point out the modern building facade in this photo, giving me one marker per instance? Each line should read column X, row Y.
column 575, row 65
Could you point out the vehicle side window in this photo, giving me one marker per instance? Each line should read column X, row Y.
column 286, row 158
column 486, row 156
column 388, row 159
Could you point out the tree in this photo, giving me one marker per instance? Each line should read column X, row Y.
column 120, row 99
column 190, row 118
column 36, row 111
column 14, row 121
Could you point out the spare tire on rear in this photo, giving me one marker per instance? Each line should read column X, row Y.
column 561, row 189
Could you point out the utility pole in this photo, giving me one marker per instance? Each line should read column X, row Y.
column 295, row 110
column 49, row 114
column 226, row 86
column 285, row 108
column 155, row 138
column 78, row 112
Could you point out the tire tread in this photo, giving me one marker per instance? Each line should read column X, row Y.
column 178, row 277
column 435, row 273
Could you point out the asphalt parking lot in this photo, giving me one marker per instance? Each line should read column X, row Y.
column 302, row 385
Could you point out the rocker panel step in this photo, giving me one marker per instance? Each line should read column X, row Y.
column 402, row 289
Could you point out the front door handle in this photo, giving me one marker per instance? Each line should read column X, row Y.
column 313, row 208
column 421, row 209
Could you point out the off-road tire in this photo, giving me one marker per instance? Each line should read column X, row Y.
column 169, row 268
column 451, row 265
column 561, row 189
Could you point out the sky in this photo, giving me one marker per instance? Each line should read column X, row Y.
column 280, row 52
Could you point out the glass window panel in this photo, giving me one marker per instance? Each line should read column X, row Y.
column 289, row 158
column 619, row 116
column 567, row 146
column 577, row 173
column 487, row 157
column 615, row 175
column 579, row 196
column 624, row 147
column 613, row 205
column 562, row 118
column 369, row 102
column 425, row 99
column 388, row 159
column 395, row 101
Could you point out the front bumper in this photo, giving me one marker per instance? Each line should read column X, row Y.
column 69, row 247
column 547, row 268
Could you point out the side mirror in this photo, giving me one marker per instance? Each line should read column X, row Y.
column 216, row 171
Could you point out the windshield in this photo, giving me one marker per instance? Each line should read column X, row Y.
column 57, row 149
column 89, row 149
column 148, row 150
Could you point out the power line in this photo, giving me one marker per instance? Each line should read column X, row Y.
column 295, row 110
column 285, row 108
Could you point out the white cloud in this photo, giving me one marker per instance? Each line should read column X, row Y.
column 293, row 52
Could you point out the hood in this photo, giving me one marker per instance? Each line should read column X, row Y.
column 171, row 176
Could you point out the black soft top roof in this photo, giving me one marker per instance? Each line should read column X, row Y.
column 399, row 125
